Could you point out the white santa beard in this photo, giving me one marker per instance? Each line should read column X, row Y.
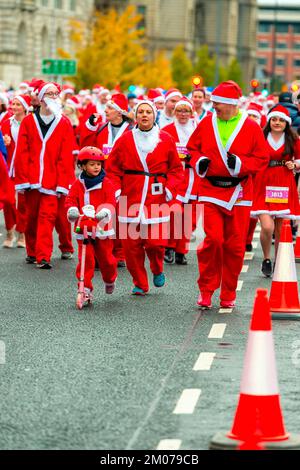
column 146, row 140
column 185, row 131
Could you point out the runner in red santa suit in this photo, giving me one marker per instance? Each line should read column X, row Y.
column 44, row 169
column 276, row 195
column 15, row 216
column 227, row 148
column 181, row 130
column 7, row 193
column 104, row 137
column 255, row 112
column 145, row 167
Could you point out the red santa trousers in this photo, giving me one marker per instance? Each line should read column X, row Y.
column 139, row 240
column 221, row 256
column 183, row 221
column 15, row 216
column 63, row 227
column 102, row 251
column 41, row 217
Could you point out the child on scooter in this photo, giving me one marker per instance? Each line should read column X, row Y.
column 91, row 202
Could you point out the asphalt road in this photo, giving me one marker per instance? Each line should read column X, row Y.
column 111, row 376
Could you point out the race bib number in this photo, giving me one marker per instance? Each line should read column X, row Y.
column 106, row 150
column 182, row 151
column 277, row 194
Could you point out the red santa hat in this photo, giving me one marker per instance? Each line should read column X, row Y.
column 172, row 93
column 25, row 84
column 25, row 101
column 255, row 109
column 155, row 95
column 119, row 102
column 40, row 87
column 185, row 102
column 73, row 102
column 149, row 103
column 97, row 88
column 271, row 99
column 227, row 92
column 68, row 89
column 280, row 111
column 104, row 91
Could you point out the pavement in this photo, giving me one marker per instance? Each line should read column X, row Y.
column 130, row 372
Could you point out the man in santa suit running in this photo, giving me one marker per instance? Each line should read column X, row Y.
column 44, row 169
column 227, row 148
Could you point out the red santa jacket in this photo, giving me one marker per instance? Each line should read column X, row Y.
column 143, row 196
column 7, row 129
column 45, row 163
column 7, row 191
column 101, row 136
column 246, row 142
column 100, row 196
column 188, row 189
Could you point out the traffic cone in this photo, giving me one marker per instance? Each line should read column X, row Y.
column 258, row 418
column 297, row 246
column 284, row 298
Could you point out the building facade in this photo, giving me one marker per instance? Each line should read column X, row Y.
column 228, row 27
column 31, row 30
column 278, row 40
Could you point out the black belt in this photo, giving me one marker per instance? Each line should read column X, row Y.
column 273, row 163
column 187, row 165
column 145, row 173
column 225, row 181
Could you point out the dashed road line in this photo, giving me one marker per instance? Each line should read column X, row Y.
column 187, row 401
column 255, row 244
column 239, row 285
column 217, row 330
column 245, row 268
column 169, row 444
column 248, row 256
column 256, row 235
column 204, row 361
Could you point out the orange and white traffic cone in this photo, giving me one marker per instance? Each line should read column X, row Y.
column 297, row 246
column 284, row 298
column 258, row 421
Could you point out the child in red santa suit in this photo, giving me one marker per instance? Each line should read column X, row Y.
column 94, row 195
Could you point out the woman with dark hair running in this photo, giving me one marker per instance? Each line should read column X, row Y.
column 276, row 196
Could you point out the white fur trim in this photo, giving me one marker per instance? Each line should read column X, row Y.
column 43, row 90
column 183, row 103
column 279, row 114
column 173, row 94
column 252, row 112
column 223, row 99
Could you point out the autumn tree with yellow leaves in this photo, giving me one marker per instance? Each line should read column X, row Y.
column 115, row 53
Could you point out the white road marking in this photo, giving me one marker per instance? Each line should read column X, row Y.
column 187, row 401
column 204, row 361
column 169, row 444
column 225, row 310
column 245, row 268
column 217, row 330
column 248, row 256
column 240, row 285
column 256, row 235
column 255, row 244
